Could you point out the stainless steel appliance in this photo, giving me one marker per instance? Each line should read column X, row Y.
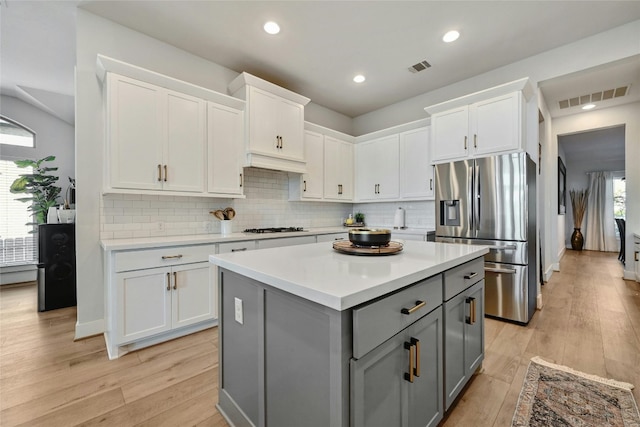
column 492, row 201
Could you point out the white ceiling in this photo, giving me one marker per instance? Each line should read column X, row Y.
column 322, row 44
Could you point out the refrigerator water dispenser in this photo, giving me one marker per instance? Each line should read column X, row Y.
column 450, row 212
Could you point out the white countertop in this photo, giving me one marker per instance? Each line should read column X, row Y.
column 201, row 239
column 339, row 281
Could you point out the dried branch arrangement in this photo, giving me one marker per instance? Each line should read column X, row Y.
column 579, row 203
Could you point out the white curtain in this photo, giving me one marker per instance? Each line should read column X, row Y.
column 600, row 232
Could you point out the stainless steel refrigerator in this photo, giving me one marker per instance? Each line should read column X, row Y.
column 492, row 201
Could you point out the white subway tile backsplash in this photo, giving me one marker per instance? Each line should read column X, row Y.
column 266, row 205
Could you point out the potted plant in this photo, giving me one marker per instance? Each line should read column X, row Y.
column 39, row 184
column 579, row 204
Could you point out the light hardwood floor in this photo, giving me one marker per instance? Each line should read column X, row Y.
column 590, row 321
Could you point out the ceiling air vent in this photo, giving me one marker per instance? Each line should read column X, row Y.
column 594, row 97
column 420, row 66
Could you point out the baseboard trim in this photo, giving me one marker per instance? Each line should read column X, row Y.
column 539, row 304
column 629, row 275
column 548, row 273
column 89, row 329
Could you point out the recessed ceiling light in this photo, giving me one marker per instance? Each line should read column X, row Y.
column 271, row 27
column 589, row 106
column 451, row 36
column 359, row 78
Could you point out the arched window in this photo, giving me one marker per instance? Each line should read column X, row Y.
column 17, row 241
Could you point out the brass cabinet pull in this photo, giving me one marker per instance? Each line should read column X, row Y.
column 409, row 375
column 165, row 257
column 470, row 275
column 304, row 183
column 418, row 306
column 166, row 173
column 475, row 141
column 416, row 345
column 465, row 142
column 238, row 250
column 175, row 280
column 241, row 182
column 159, row 173
column 168, row 281
column 471, row 320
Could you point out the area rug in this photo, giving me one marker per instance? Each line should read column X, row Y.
column 554, row 395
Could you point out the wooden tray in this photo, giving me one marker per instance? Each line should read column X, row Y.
column 355, row 224
column 346, row 247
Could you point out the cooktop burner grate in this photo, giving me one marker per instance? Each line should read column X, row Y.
column 274, row 230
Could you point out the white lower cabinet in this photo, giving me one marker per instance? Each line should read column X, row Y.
column 155, row 295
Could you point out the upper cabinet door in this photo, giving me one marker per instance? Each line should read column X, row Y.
column 263, row 121
column 496, row 124
column 338, row 169
column 185, row 151
column 290, row 129
column 135, row 118
column 225, row 149
column 416, row 171
column 377, row 164
column 312, row 181
column 449, row 134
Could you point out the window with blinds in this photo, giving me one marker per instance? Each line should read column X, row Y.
column 17, row 245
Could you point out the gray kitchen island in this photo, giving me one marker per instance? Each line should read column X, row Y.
column 313, row 337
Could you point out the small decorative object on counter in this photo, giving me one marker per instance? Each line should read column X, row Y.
column 225, row 216
column 398, row 220
column 349, row 221
column 359, row 218
column 356, row 220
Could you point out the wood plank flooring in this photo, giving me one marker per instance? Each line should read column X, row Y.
column 590, row 321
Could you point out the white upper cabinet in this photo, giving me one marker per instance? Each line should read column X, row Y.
column 225, row 150
column 166, row 135
column 416, row 171
column 311, row 183
column 377, row 169
column 483, row 123
column 274, row 128
column 156, row 137
column 338, row 169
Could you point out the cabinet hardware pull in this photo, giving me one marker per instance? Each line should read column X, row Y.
column 470, row 276
column 166, row 173
column 305, row 185
column 277, row 141
column 281, row 143
column 418, row 306
column 238, row 250
column 241, row 181
column 409, row 376
column 168, row 281
column 471, row 320
column 475, row 141
column 431, row 184
column 175, row 280
column 171, row 256
column 635, row 256
column 416, row 344
column 342, row 238
column 159, row 173
column 465, row 142
column 503, row 248
column 500, row 270
column 339, row 188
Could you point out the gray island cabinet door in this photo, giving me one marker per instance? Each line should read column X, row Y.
column 464, row 339
column 380, row 393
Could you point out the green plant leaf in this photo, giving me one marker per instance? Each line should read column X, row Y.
column 19, row 185
column 25, row 163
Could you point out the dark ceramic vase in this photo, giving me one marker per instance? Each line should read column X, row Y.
column 577, row 240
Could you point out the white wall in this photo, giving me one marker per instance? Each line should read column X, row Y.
column 562, row 241
column 627, row 115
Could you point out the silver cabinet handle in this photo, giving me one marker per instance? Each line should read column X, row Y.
column 500, row 270
column 241, row 180
column 470, row 275
column 164, row 257
column 431, row 184
column 238, row 249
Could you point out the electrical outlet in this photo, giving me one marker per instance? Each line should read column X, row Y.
column 207, row 226
column 238, row 306
column 160, row 226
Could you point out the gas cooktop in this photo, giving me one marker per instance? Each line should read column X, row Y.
column 274, row 230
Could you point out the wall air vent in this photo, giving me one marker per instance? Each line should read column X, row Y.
column 594, row 97
column 420, row 66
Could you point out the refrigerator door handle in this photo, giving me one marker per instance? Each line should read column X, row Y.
column 471, row 201
column 477, row 199
column 500, row 270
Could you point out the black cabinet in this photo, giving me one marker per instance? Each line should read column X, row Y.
column 56, row 266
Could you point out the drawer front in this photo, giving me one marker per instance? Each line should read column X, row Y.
column 332, row 237
column 247, row 245
column 150, row 258
column 378, row 321
column 460, row 278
